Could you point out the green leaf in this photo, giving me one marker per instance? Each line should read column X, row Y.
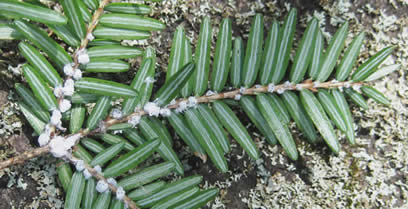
column 146, row 89
column 41, row 91
column 345, row 111
column 74, row 194
column 282, row 111
column 54, row 51
column 112, row 51
column 102, row 42
column 104, row 88
column 286, row 35
column 102, row 201
column 128, row 8
column 92, row 145
column 304, row 53
column 64, row 174
column 107, row 154
column 169, row 189
column 114, row 139
column 332, row 53
column 222, row 56
column 188, row 57
column 180, row 125
column 172, row 87
column 271, row 114
column 315, row 111
column 299, row 115
column 202, row 58
column 89, row 195
column 117, row 204
column 370, row 66
column 146, row 191
column 36, row 123
column 106, row 66
column 41, row 64
column 357, row 98
column 146, row 175
column 375, row 95
column 120, row 34
column 92, row 4
column 131, row 159
column 84, row 98
column 28, row 98
column 161, row 129
column 249, row 106
column 75, row 20
column 198, row 200
column 86, row 15
column 99, row 112
column 318, row 56
column 176, row 198
column 383, row 72
column 133, row 22
column 349, row 58
column 137, row 83
column 77, row 118
column 331, row 108
column 253, row 53
column 270, row 54
column 64, row 33
column 82, row 154
column 134, row 136
column 215, row 126
column 40, row 14
column 237, row 62
column 206, row 139
column 149, row 130
column 119, row 126
column 176, row 53
column 232, row 123
column 9, row 33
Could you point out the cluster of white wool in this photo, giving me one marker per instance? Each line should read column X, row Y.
column 182, row 106
column 280, row 90
column 116, row 114
column 299, row 87
column 134, row 120
column 153, row 109
column 209, row 93
column 271, row 88
column 83, row 57
column 103, row 186
column 90, row 37
column 149, row 80
column 237, row 97
column 61, row 147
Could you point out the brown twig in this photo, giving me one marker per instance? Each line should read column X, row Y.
column 203, row 99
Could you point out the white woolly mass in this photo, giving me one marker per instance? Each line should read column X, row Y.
column 58, row 91
column 64, row 105
column 271, row 88
column 111, row 181
column 134, row 120
column 299, row 87
column 237, row 97
column 83, row 57
column 149, row 80
column 242, row 90
column 87, row 174
column 72, row 140
column 287, row 84
column 69, row 87
column 334, row 81
column 173, row 102
column 120, row 193
column 347, row 85
column 57, row 147
column 101, row 186
column 356, row 88
column 80, row 165
column 192, row 102
column 165, row 112
column 280, row 90
column 209, row 93
column 257, row 86
column 90, row 37
column 68, row 69
column 152, row 109
column 316, row 84
column 181, row 106
column 98, row 169
column 341, row 88
column 116, row 113
column 77, row 74
column 55, row 119
column 43, row 139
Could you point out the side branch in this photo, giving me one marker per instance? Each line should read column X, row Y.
column 313, row 86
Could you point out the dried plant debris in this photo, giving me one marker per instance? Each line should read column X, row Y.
column 371, row 174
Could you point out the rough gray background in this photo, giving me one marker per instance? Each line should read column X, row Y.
column 371, row 174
